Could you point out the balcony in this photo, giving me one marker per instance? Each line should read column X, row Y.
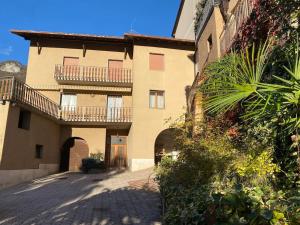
column 94, row 114
column 19, row 93
column 242, row 12
column 91, row 75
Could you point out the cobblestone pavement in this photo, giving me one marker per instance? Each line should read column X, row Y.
column 114, row 197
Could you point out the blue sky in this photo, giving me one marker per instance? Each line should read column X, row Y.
column 103, row 17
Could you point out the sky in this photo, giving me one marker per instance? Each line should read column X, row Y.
column 101, row 17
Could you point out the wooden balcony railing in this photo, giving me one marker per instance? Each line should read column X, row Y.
column 95, row 114
column 240, row 15
column 92, row 74
column 16, row 91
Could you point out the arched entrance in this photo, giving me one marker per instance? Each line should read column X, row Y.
column 165, row 144
column 73, row 151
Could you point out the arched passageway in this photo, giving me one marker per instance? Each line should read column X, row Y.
column 165, row 144
column 73, row 151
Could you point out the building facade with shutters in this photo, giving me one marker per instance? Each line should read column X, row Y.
column 89, row 94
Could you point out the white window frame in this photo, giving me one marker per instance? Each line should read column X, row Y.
column 156, row 96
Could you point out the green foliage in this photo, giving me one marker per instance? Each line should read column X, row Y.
column 199, row 13
column 95, row 161
column 235, row 78
column 98, row 156
column 221, row 177
column 276, row 101
column 243, row 167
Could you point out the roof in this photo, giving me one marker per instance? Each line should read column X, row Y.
column 177, row 17
column 30, row 34
column 127, row 38
column 140, row 37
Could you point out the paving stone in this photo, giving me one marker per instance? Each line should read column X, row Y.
column 111, row 198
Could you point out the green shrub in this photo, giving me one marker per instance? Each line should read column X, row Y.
column 91, row 163
column 226, row 175
column 98, row 156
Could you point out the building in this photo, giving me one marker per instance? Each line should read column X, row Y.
column 220, row 23
column 90, row 94
column 184, row 24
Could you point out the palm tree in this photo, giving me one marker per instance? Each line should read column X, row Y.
column 236, row 80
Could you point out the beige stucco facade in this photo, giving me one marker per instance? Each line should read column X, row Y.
column 53, row 52
column 4, row 109
column 17, row 155
column 19, row 144
column 148, row 123
column 222, row 20
column 140, row 126
column 213, row 29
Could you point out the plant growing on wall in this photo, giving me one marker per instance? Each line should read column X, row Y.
column 199, row 13
column 270, row 18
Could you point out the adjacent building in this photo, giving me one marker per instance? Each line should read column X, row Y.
column 219, row 24
column 184, row 24
column 90, row 94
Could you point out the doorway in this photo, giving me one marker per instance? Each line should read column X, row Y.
column 118, row 151
column 73, row 151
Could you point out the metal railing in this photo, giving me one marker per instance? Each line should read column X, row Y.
column 231, row 29
column 206, row 13
column 96, row 114
column 92, row 74
column 18, row 92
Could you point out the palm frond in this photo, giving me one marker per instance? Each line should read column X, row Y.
column 235, row 78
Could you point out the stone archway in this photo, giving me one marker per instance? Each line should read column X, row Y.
column 73, row 151
column 165, row 144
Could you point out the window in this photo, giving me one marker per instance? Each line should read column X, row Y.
column 39, row 151
column 157, row 99
column 115, row 70
column 156, row 61
column 68, row 100
column 71, row 61
column 24, row 119
column 209, row 43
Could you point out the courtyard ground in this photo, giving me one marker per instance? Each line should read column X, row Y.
column 115, row 197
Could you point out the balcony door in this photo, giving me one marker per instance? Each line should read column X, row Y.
column 68, row 101
column 115, row 70
column 71, row 67
column 114, row 105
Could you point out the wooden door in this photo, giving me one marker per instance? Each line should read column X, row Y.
column 115, row 70
column 118, row 154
